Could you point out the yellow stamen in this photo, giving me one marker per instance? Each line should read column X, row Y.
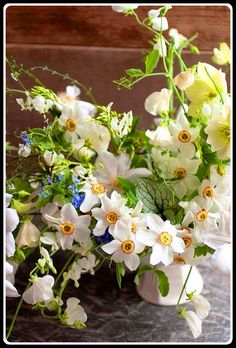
column 133, row 228
column 67, row 228
column 71, row 125
column 208, row 192
column 165, row 238
column 179, row 260
column 201, row 215
column 111, row 217
column 184, row 136
column 98, row 189
column 180, row 172
column 127, row 246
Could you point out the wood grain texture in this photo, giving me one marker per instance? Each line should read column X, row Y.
column 100, row 26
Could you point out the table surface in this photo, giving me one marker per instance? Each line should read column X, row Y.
column 120, row 315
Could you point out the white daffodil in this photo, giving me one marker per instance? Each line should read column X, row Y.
column 24, row 150
column 52, row 239
column 177, row 37
column 124, row 247
column 218, row 131
column 93, row 192
column 70, row 226
column 28, row 235
column 70, row 95
column 183, row 135
column 204, row 215
column 124, row 8
column 184, row 79
column 221, row 260
column 11, row 291
column 158, row 23
column 202, row 306
column 222, row 55
column 122, row 126
column 160, row 137
column 12, row 220
column 162, row 237
column 40, row 290
column 74, row 312
column 112, row 210
column 160, row 45
column 110, row 167
column 194, row 323
column 157, row 103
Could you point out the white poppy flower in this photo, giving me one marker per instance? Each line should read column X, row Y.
column 158, row 102
column 177, row 37
column 160, row 45
column 93, row 192
column 124, row 247
column 28, row 235
column 70, row 226
column 202, row 306
column 12, row 220
column 11, row 291
column 24, row 150
column 40, row 290
column 160, row 137
column 194, row 323
column 162, row 237
column 124, row 8
column 112, row 210
column 184, row 80
column 74, row 312
column 109, row 167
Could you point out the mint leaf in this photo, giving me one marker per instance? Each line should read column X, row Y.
column 151, row 61
column 203, row 251
column 163, row 282
column 126, row 184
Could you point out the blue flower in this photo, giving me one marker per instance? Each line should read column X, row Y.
column 59, row 178
column 25, row 137
column 77, row 200
column 47, row 181
column 104, row 238
column 73, row 188
column 42, row 193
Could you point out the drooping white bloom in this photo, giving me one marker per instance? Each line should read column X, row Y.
column 112, row 210
column 12, row 220
column 28, row 235
column 124, row 247
column 177, row 37
column 84, row 265
column 160, row 137
column 222, row 55
column 82, row 152
column 52, row 239
column 158, row 23
column 11, row 291
column 109, row 167
column 93, row 192
column 24, row 150
column 194, row 323
column 162, row 237
column 122, row 126
column 158, row 102
column 160, row 45
column 202, row 306
column 70, row 96
column 70, row 226
column 50, row 157
column 74, row 312
column 184, row 80
column 40, row 290
column 124, row 8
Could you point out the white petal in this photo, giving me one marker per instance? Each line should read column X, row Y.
column 221, row 260
column 155, row 223
column 156, row 256
column 28, row 295
column 122, row 231
column 118, row 256
column 8, row 199
column 201, row 305
column 11, row 291
column 132, row 174
column 100, row 228
column 69, row 213
column 12, row 219
column 146, row 237
column 194, row 323
column 178, row 245
column 83, row 221
column 111, row 247
column 66, row 242
column 132, row 261
column 167, row 255
column 10, row 244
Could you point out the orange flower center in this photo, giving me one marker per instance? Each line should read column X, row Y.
column 67, row 228
column 127, row 246
column 201, row 215
column 98, row 189
column 179, row 260
column 133, row 228
column 208, row 192
column 111, row 217
column 71, row 124
column 165, row 238
column 187, row 241
column 184, row 136
column 180, row 173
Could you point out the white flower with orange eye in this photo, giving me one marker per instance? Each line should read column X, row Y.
column 183, row 135
column 112, row 210
column 203, row 213
column 40, row 290
column 110, row 167
column 70, row 226
column 162, row 237
column 124, row 247
column 158, row 23
column 93, row 192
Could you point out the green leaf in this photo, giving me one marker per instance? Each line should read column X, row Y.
column 151, row 61
column 134, row 72
column 163, row 282
column 126, row 184
column 23, row 193
column 141, row 270
column 203, row 251
column 120, row 272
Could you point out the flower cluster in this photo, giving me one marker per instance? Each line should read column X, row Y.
column 98, row 188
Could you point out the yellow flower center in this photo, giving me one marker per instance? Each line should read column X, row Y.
column 71, row 124
column 111, row 217
column 67, row 228
column 127, row 246
column 187, row 241
column 225, row 132
column 212, row 95
column 165, row 238
column 184, row 136
column 208, row 192
column 179, row 260
column 133, row 228
column 98, row 189
column 201, row 215
column 180, row 173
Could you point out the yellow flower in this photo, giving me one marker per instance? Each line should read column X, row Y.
column 209, row 84
column 221, row 54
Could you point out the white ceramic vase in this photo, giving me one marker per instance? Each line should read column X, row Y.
column 176, row 274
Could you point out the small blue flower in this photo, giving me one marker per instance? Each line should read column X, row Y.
column 77, row 200
column 73, row 188
column 59, row 178
column 25, row 137
column 42, row 193
column 48, row 181
column 104, row 238
column 75, row 179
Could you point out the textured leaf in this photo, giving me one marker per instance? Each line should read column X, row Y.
column 203, row 250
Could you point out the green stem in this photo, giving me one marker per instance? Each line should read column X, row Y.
column 147, row 75
column 170, row 68
column 63, row 269
column 183, row 288
column 221, row 98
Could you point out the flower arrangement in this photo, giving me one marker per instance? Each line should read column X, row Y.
column 100, row 189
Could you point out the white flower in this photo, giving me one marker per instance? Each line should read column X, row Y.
column 158, row 23
column 109, row 167
column 70, row 96
column 160, row 45
column 70, row 226
column 194, row 323
column 112, row 210
column 122, row 126
column 79, row 171
column 11, row 291
column 28, row 235
column 40, row 290
column 46, row 259
column 74, row 312
column 124, row 247
column 41, row 104
column 93, row 192
column 82, row 152
column 184, row 80
column 160, row 136
column 222, row 54
column 202, row 306
column 12, row 220
column 50, row 157
column 50, row 238
column 221, row 260
column 163, row 240
column 158, row 102
column 177, row 37
column 83, row 265
column 183, row 135
column 50, row 209
column 24, row 150
column 124, row 8
column 25, row 105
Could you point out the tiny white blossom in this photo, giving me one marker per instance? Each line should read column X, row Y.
column 40, row 290
column 74, row 312
column 24, row 150
column 194, row 323
column 124, row 8
column 158, row 102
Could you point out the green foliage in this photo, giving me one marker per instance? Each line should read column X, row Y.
column 163, row 282
column 120, row 272
column 203, row 251
column 126, row 184
column 141, row 270
column 151, row 61
column 134, row 72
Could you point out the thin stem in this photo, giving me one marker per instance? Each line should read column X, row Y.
column 63, row 269
column 11, row 90
column 221, row 98
column 183, row 288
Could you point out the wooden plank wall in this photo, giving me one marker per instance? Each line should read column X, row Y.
column 95, row 45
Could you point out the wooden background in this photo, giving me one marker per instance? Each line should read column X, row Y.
column 95, row 45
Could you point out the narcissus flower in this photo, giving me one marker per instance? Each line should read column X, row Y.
column 93, row 192
column 222, row 55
